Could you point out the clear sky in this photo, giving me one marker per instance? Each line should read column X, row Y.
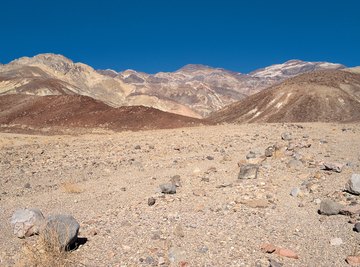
column 157, row 35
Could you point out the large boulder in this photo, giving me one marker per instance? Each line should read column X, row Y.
column 27, row 222
column 353, row 185
column 61, row 231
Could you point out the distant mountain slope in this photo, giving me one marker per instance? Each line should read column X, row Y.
column 82, row 111
column 325, row 96
column 194, row 90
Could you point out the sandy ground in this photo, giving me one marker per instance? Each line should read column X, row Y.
column 214, row 219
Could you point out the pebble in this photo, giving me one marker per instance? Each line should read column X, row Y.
column 295, row 192
column 168, row 188
column 329, row 207
column 286, row 136
column 357, row 227
column 248, row 171
column 353, row 185
column 336, row 241
column 151, row 201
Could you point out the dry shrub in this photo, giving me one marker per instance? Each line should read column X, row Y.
column 71, row 187
column 43, row 253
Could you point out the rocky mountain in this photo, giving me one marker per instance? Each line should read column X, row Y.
column 194, row 90
column 61, row 112
column 322, row 96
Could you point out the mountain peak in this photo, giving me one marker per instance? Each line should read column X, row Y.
column 195, row 67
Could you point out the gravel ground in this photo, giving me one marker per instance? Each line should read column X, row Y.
column 214, row 219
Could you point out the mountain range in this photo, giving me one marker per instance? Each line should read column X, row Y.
column 193, row 91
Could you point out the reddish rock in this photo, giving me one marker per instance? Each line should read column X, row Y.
column 268, row 248
column 288, row 253
column 353, row 260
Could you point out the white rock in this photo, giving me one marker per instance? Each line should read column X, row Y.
column 27, row 222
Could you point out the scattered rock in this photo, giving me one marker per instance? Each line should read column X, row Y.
column 269, row 152
column 268, row 248
column 286, row 136
column 335, row 167
column 151, row 201
column 357, row 227
column 178, row 231
column 329, row 207
column 203, row 249
column 353, row 260
column 295, row 192
column 274, row 263
column 353, row 185
column 210, row 157
column 248, row 171
column 256, row 203
column 251, row 155
column 168, row 188
column 27, row 222
column 137, row 147
column 350, row 210
column 295, row 164
column 61, row 231
column 27, row 186
column 288, row 253
column 176, row 180
column 336, row 241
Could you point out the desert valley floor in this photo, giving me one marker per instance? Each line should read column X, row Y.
column 105, row 179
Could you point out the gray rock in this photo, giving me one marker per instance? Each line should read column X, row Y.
column 286, row 136
column 137, row 147
column 295, row 164
column 203, row 249
column 353, row 185
column 295, row 192
column 357, row 227
column 335, row 167
column 210, row 157
column 251, row 155
column 269, row 152
column 274, row 263
column 168, row 188
column 248, row 171
column 329, row 207
column 27, row 222
column 61, row 231
column 176, row 180
column 151, row 201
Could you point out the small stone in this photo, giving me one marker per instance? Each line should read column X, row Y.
column 176, row 180
column 203, row 249
column 151, row 201
column 357, row 227
column 336, row 241
column 168, row 188
column 251, row 155
column 335, row 167
column 61, row 231
column 248, row 171
column 176, row 254
column 210, row 157
column 178, row 231
column 274, row 263
column 353, row 185
column 161, row 261
column 256, row 203
column 353, row 260
column 27, row 186
column 269, row 152
column 286, row 136
column 329, row 207
column 288, row 253
column 295, row 164
column 27, row 222
column 268, row 248
column 137, row 147
column 351, row 210
column 149, row 260
column 295, row 192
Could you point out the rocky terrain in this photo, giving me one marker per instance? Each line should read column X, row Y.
column 326, row 96
column 69, row 113
column 246, row 195
column 194, row 90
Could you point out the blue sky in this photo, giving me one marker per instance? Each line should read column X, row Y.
column 156, row 35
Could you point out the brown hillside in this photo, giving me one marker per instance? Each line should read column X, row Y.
column 323, row 96
column 83, row 112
